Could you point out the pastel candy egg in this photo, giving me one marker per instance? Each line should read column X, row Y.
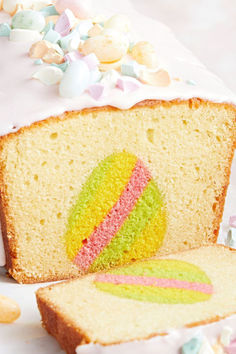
column 108, row 47
column 162, row 281
column 144, row 53
column 24, row 35
column 39, row 49
column 52, row 56
column 50, row 75
column 119, row 214
column 80, row 8
column 118, row 22
column 155, row 78
column 29, row 19
column 76, row 80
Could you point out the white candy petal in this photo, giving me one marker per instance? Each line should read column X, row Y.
column 226, row 335
column 110, row 78
column 76, row 80
column 24, row 35
column 206, row 348
column 50, row 75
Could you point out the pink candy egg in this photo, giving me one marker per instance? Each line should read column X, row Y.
column 80, row 8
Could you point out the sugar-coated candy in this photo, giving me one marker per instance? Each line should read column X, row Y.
column 65, row 23
column 109, row 47
column 144, row 53
column 111, row 66
column 52, row 36
column 118, row 22
column 206, row 348
column 84, row 27
column 225, row 337
column 131, row 68
column 49, row 11
column 95, row 30
column 2, row 254
column 49, row 26
column 155, row 78
column 5, row 30
column 97, row 91
column 62, row 66
column 10, row 6
column 28, row 19
column 232, row 221
column 80, row 8
column 110, row 78
column 52, row 19
column 49, row 75
column 73, row 56
column 52, row 56
column 75, row 80
column 24, row 35
column 1, row 4
column 231, row 349
column 92, row 61
column 231, row 238
column 70, row 42
column 128, row 84
column 95, row 76
column 39, row 49
column 9, row 310
column 192, row 347
column 38, row 62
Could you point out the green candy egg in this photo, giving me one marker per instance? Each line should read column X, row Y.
column 29, row 19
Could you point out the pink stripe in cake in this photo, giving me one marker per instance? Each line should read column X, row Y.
column 152, row 281
column 104, row 233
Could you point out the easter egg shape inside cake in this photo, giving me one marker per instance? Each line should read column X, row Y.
column 163, row 281
column 119, row 215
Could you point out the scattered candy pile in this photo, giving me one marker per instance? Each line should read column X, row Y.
column 83, row 53
column 201, row 345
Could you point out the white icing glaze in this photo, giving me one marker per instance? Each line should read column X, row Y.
column 170, row 343
column 24, row 100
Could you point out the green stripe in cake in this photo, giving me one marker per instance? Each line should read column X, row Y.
column 119, row 215
column 164, row 281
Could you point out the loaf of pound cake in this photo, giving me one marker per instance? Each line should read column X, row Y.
column 116, row 142
column 159, row 298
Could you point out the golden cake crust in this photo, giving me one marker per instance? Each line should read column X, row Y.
column 10, row 237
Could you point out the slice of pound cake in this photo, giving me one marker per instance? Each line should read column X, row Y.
column 143, row 300
column 113, row 149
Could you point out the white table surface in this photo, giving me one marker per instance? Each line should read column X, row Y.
column 208, row 28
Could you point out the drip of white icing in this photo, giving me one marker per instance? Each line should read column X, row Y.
column 170, row 343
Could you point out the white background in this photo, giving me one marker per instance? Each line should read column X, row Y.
column 208, row 28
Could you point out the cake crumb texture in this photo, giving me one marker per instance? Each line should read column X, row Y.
column 97, row 316
column 187, row 146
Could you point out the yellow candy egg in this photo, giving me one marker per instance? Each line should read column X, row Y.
column 144, row 53
column 109, row 47
column 118, row 22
